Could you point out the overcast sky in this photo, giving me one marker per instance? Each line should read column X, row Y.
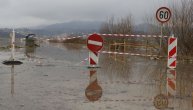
column 26, row 13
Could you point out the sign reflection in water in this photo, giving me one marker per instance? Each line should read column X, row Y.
column 171, row 82
column 12, row 80
column 30, row 50
column 160, row 101
column 94, row 91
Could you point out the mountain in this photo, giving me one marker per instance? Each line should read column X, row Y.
column 68, row 27
column 5, row 33
column 72, row 27
column 85, row 27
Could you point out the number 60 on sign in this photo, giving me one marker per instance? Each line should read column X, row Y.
column 163, row 14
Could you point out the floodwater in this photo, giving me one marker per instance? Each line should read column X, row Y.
column 56, row 77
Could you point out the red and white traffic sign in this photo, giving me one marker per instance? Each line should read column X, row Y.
column 93, row 58
column 95, row 43
column 172, row 52
column 163, row 14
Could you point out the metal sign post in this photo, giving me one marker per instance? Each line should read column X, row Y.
column 163, row 15
column 161, row 38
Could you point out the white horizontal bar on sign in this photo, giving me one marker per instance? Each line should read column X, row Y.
column 94, row 42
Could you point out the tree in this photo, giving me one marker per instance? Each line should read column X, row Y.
column 120, row 26
column 183, row 26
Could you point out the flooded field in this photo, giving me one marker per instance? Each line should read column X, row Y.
column 56, row 77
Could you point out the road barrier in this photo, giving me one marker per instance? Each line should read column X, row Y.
column 93, row 55
column 64, row 38
column 110, row 35
column 126, row 53
column 132, row 35
column 172, row 52
column 93, row 58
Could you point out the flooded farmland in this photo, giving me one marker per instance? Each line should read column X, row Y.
column 56, row 77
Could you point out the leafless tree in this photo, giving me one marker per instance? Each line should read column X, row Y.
column 183, row 26
column 117, row 26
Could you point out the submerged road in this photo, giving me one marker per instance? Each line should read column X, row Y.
column 56, row 77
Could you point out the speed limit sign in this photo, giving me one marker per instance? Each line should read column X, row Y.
column 163, row 14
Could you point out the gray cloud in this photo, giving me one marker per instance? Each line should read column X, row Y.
column 24, row 13
column 4, row 3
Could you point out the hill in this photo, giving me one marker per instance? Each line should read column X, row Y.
column 5, row 33
column 68, row 27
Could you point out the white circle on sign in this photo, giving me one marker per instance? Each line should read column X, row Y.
column 163, row 14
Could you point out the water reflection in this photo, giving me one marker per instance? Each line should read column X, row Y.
column 171, row 82
column 115, row 69
column 161, row 99
column 30, row 49
column 94, row 91
column 192, row 99
column 12, row 80
column 178, row 88
column 184, row 86
column 72, row 46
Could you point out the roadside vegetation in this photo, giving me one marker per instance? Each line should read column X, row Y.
column 180, row 24
column 114, row 25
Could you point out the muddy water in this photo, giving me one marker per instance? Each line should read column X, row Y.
column 56, row 77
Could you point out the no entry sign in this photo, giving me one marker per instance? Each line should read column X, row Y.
column 94, row 43
column 163, row 14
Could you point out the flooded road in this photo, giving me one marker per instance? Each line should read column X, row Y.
column 56, row 77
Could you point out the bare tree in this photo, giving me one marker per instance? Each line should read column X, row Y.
column 183, row 26
column 119, row 26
